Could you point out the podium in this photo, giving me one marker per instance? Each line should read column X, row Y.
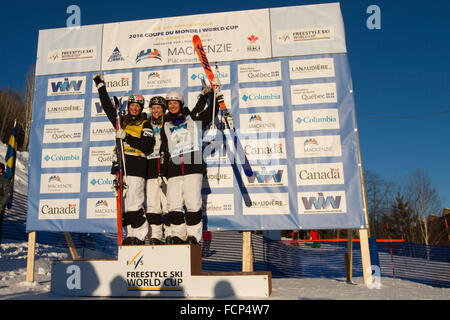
column 154, row 271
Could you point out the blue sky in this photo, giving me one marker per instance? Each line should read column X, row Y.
column 401, row 73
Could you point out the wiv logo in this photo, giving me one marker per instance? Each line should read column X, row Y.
column 67, row 86
column 266, row 176
column 136, row 261
column 148, row 54
column 322, row 203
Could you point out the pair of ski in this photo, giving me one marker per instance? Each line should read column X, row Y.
column 228, row 119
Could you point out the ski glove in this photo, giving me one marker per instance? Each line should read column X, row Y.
column 205, row 90
column 99, row 80
column 121, row 134
column 216, row 82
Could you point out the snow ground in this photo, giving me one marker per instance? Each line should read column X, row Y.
column 13, row 284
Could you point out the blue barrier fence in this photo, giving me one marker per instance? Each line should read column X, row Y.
column 285, row 259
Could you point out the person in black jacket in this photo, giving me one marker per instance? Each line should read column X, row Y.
column 5, row 194
column 182, row 141
column 138, row 141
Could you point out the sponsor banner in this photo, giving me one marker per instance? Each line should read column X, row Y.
column 61, row 158
column 307, row 30
column 73, row 54
column 319, row 174
column 219, row 177
column 261, row 122
column 258, row 72
column 315, row 119
column 63, row 133
column 156, row 79
column 305, row 34
column 64, row 109
column 195, row 75
column 267, row 204
column 96, row 108
column 318, row 146
column 53, row 209
column 116, row 82
column 311, row 68
column 101, row 208
column 100, row 182
column 159, row 42
column 261, row 97
column 68, row 50
column 101, row 156
column 60, row 183
column 322, row 202
column 264, row 176
column 102, row 131
column 66, row 85
column 314, row 93
column 218, row 204
column 266, row 151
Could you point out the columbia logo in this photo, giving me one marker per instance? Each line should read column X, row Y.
column 46, row 158
column 245, row 98
column 93, row 182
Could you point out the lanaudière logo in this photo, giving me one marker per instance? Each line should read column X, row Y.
column 148, row 54
column 116, row 56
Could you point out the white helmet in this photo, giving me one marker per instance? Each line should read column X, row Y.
column 176, row 96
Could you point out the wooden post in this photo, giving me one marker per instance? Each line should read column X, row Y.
column 30, row 256
column 72, row 249
column 349, row 259
column 364, row 232
column 247, row 257
column 365, row 254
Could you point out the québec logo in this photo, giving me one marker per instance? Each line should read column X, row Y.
column 148, row 54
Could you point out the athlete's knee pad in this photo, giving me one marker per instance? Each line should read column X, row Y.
column 154, row 218
column 175, row 218
column 193, row 218
column 134, row 218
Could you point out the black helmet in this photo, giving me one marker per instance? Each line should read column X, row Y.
column 158, row 100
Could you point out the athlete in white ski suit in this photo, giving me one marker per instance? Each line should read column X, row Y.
column 156, row 180
column 182, row 150
column 138, row 140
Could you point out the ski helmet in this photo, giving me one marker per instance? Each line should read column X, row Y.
column 158, row 100
column 175, row 96
column 136, row 98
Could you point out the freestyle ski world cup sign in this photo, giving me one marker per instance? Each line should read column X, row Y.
column 286, row 81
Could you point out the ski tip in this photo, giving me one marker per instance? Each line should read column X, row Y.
column 195, row 38
column 247, row 201
column 248, row 172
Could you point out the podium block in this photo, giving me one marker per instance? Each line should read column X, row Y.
column 154, row 271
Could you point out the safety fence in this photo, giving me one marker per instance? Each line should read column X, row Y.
column 285, row 259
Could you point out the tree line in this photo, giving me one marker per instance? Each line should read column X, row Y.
column 410, row 210
column 17, row 105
